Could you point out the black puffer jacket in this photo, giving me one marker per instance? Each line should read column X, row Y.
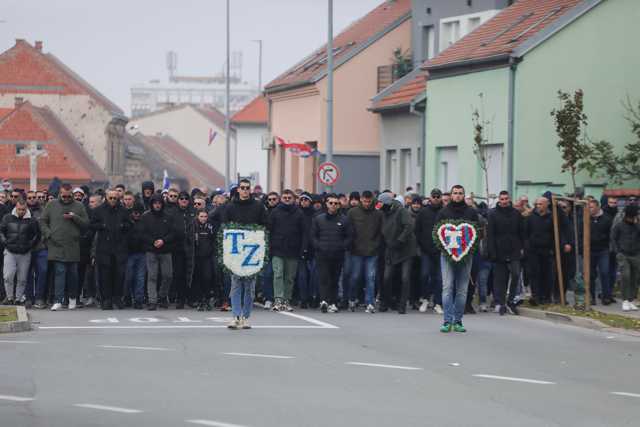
column 625, row 238
column 366, row 230
column 330, row 235
column 185, row 223
column 204, row 240
column 111, row 223
column 158, row 225
column 539, row 233
column 19, row 235
column 600, row 232
column 307, row 216
column 425, row 222
column 248, row 211
column 399, row 236
column 458, row 211
column 287, row 232
column 136, row 238
column 505, row 234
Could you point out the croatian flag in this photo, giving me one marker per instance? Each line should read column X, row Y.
column 212, row 135
column 165, row 181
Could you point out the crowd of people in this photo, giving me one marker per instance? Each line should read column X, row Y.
column 69, row 248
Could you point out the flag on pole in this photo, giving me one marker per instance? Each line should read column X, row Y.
column 165, row 181
column 212, row 135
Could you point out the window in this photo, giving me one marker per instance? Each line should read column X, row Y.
column 474, row 23
column 392, row 170
column 428, row 42
column 405, row 169
column 19, row 148
column 450, row 33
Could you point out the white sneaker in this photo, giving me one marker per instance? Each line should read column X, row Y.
column 332, row 308
column 633, row 306
column 497, row 308
column 72, row 304
column 57, row 306
column 626, row 306
column 89, row 302
column 438, row 309
column 235, row 323
column 288, row 307
column 324, row 307
column 370, row 309
column 484, row 308
column 267, row 305
column 424, row 306
column 244, row 323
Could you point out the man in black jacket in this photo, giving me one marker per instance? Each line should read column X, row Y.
column 306, row 277
column 111, row 223
column 505, row 241
column 136, row 260
column 455, row 275
column 625, row 239
column 430, row 274
column 204, row 247
column 147, row 192
column 19, row 234
column 183, row 250
column 330, row 236
column 287, row 237
column 243, row 209
column 600, row 233
column 159, row 231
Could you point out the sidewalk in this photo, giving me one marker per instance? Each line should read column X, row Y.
column 616, row 309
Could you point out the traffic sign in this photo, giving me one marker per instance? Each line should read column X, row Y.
column 328, row 173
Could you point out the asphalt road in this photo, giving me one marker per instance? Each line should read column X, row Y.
column 184, row 368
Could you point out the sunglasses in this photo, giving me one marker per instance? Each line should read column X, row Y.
column 15, row 196
column 287, row 198
column 199, row 203
column 272, row 199
column 244, row 187
column 436, row 197
column 112, row 198
column 173, row 196
column 333, row 203
column 31, row 198
column 65, row 197
column 183, row 198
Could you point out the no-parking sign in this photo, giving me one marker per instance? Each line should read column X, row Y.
column 328, row 173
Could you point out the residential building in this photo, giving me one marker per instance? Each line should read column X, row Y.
column 298, row 108
column 42, row 79
column 510, row 69
column 250, row 125
column 198, row 129
column 25, row 125
column 436, row 24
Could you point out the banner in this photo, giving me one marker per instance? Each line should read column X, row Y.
column 243, row 248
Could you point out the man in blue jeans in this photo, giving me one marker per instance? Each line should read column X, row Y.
column 430, row 273
column 37, row 281
column 455, row 275
column 600, row 232
column 136, row 259
column 366, row 229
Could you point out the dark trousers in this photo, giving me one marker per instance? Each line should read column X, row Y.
column 405, row 282
column 66, row 278
column 329, row 273
column 202, row 278
column 431, row 277
column 111, row 271
column 506, row 274
column 37, row 282
column 540, row 275
column 179, row 260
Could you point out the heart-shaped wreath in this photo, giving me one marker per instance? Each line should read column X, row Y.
column 455, row 238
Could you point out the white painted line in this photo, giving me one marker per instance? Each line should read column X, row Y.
column 19, row 342
column 266, row 356
column 212, row 423
column 378, row 365
column 16, row 398
column 522, row 380
column 622, row 393
column 185, row 327
column 129, row 347
column 108, row 408
column 325, row 325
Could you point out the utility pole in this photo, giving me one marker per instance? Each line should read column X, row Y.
column 329, row 155
column 34, row 153
column 227, row 121
column 259, row 64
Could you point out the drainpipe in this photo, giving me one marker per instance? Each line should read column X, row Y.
column 423, row 144
column 513, row 65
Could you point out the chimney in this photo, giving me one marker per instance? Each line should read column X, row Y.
column 18, row 101
column 38, row 45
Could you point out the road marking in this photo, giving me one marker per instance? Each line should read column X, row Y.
column 266, row 356
column 127, row 347
column 108, row 408
column 16, row 398
column 378, row 365
column 185, row 327
column 522, row 380
column 19, row 342
column 212, row 423
column 622, row 393
column 324, row 325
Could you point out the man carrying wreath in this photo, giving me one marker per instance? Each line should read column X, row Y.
column 243, row 210
column 455, row 234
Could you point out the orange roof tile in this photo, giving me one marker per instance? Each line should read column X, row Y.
column 505, row 32
column 256, row 112
column 403, row 94
column 349, row 42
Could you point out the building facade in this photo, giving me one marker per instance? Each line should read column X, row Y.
column 250, row 125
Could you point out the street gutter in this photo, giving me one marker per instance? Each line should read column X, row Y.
column 23, row 323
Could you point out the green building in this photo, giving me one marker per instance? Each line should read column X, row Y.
column 510, row 69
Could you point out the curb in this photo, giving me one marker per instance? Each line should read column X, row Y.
column 23, row 323
column 582, row 322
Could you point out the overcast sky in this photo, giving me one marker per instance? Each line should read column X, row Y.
column 117, row 43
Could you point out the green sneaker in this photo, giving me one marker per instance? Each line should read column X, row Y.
column 446, row 328
column 458, row 327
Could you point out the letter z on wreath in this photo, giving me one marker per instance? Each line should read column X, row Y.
column 243, row 249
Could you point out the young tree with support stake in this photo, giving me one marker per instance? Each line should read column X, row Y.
column 480, row 142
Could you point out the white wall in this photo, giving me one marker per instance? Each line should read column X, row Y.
column 250, row 155
column 454, row 28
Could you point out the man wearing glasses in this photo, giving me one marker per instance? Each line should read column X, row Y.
column 38, row 268
column 62, row 223
column 183, row 252
column 243, row 209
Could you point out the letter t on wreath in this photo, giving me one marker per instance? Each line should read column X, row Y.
column 234, row 240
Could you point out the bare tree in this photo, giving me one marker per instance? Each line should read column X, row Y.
column 480, row 142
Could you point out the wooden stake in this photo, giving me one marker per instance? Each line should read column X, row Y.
column 586, row 255
column 556, row 238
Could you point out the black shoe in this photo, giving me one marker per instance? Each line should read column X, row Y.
column 137, row 305
column 304, row 305
column 514, row 308
column 151, row 307
column 180, row 305
column 402, row 310
column 606, row 301
column 201, row 307
column 164, row 303
column 469, row 309
column 383, row 308
column 107, row 305
column 119, row 305
column 533, row 302
column 27, row 304
column 343, row 305
column 503, row 310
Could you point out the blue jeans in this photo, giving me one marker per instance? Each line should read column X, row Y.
column 600, row 261
column 455, row 282
column 307, row 280
column 431, row 277
column 483, row 270
column 370, row 264
column 267, row 282
column 37, row 281
column 66, row 276
column 134, row 276
column 242, row 293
